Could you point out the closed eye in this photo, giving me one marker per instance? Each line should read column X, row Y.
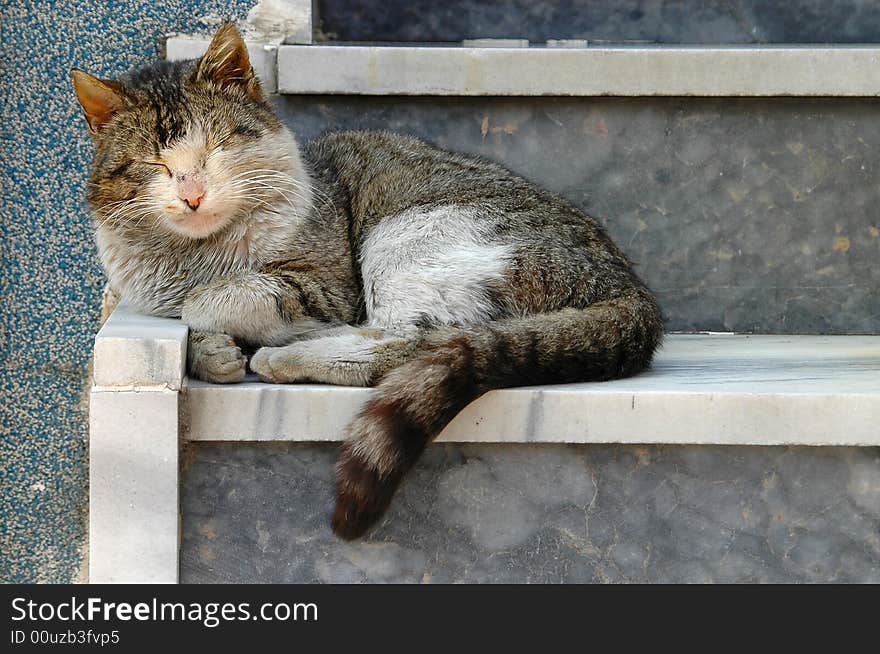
column 243, row 131
column 120, row 170
column 160, row 165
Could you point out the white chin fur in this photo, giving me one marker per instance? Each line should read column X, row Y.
column 197, row 226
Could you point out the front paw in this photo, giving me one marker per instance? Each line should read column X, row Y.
column 215, row 358
column 277, row 364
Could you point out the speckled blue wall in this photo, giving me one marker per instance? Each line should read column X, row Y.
column 51, row 281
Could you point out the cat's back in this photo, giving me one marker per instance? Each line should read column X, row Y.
column 390, row 172
column 380, row 148
column 386, row 173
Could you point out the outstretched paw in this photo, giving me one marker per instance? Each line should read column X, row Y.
column 215, row 358
column 278, row 365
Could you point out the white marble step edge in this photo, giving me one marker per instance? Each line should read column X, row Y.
column 719, row 389
column 138, row 352
column 626, row 70
column 702, row 388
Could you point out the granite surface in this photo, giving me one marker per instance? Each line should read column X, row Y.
column 742, row 215
column 653, row 21
column 528, row 513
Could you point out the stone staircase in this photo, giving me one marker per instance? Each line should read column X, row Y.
column 742, row 182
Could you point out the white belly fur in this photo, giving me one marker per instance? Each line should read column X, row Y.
column 434, row 265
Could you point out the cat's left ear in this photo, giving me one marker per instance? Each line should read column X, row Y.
column 226, row 63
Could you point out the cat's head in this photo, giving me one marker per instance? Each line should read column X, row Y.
column 187, row 147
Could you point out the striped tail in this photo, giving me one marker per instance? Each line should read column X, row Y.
column 453, row 366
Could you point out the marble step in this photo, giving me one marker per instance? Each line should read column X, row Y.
column 709, row 388
column 702, row 388
column 510, row 67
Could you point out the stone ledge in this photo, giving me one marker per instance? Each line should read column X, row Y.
column 702, row 389
column 425, row 69
column 723, row 389
column 562, row 69
column 133, row 351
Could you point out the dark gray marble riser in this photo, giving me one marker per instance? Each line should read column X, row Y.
column 541, row 513
column 752, row 215
column 654, row 21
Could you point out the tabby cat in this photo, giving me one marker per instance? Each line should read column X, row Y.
column 364, row 258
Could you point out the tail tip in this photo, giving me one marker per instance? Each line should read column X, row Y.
column 350, row 521
column 362, row 496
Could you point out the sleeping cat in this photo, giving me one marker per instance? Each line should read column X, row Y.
column 366, row 258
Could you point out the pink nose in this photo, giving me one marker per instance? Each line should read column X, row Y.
column 191, row 190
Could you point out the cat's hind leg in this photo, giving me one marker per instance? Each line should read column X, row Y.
column 350, row 356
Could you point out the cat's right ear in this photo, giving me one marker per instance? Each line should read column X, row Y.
column 100, row 99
